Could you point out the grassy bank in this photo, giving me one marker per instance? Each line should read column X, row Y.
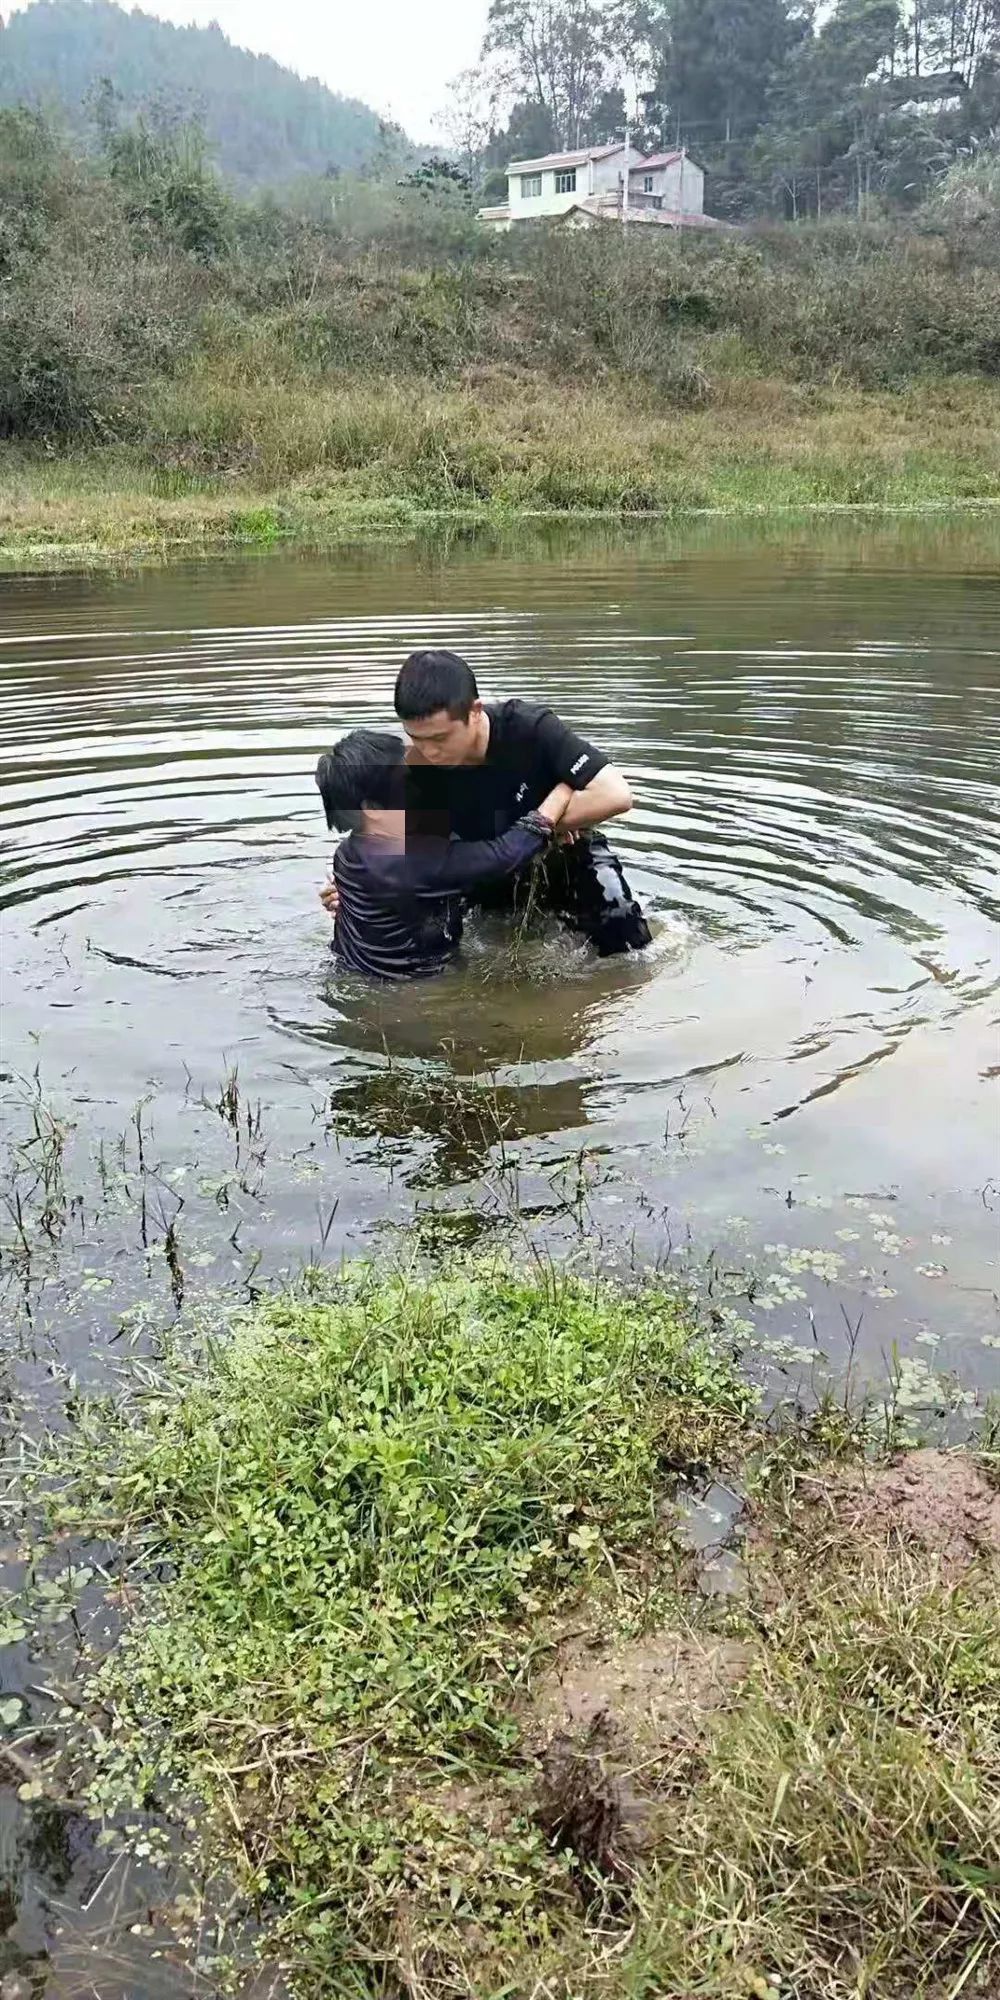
column 415, row 1651
column 180, row 367
column 322, row 464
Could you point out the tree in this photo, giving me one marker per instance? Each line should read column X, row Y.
column 835, row 131
column 857, row 44
column 162, row 168
column 606, row 118
column 852, row 56
column 952, row 36
column 718, row 63
column 554, row 54
column 467, row 120
column 33, row 180
column 528, row 135
column 437, row 176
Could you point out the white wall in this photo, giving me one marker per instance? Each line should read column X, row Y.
column 602, row 178
column 607, row 173
column 668, row 182
column 593, row 177
column 549, row 202
column 690, row 181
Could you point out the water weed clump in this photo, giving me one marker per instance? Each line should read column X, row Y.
column 365, row 1506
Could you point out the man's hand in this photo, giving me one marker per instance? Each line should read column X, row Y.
column 329, row 896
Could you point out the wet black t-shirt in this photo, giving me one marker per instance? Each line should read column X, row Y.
column 530, row 751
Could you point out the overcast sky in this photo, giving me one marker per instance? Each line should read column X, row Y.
column 397, row 55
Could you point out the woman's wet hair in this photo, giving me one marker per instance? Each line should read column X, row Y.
column 429, row 682
column 365, row 769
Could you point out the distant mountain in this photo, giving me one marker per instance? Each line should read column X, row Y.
column 263, row 123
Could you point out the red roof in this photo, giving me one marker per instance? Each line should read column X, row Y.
column 658, row 160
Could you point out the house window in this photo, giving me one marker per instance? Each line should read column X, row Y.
column 566, row 183
column 647, row 185
column 531, row 187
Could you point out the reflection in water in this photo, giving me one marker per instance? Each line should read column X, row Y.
column 465, row 1078
column 542, row 999
column 459, row 1121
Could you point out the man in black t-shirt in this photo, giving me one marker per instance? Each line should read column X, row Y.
column 481, row 766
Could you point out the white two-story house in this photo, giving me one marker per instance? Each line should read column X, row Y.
column 594, row 184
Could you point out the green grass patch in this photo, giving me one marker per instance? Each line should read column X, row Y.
column 226, row 460
column 366, row 1505
column 262, row 525
column 360, row 1533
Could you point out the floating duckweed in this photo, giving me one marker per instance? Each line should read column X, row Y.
column 887, row 1242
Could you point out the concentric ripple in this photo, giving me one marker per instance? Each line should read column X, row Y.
column 813, row 738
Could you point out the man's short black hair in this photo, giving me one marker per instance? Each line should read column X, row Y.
column 429, row 682
column 365, row 769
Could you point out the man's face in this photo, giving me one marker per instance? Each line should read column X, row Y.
column 443, row 738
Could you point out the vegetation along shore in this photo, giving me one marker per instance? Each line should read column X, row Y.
column 182, row 364
column 480, row 1635
column 488, row 1633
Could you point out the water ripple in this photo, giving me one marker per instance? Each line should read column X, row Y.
column 813, row 747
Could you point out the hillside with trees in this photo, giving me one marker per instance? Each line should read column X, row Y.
column 263, row 124
column 176, row 351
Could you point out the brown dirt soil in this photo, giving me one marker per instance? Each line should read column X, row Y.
column 938, row 1499
column 586, row 1804
column 643, row 1694
column 602, row 1725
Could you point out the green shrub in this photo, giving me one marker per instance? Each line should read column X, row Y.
column 167, row 187
column 37, row 185
column 54, row 375
column 361, row 1504
column 125, row 276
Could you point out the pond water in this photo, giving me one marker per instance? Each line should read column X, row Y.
column 807, row 1058
column 792, row 1097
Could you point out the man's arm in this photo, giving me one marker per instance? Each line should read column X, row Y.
column 444, row 867
column 606, row 797
column 465, row 864
column 432, row 869
column 458, row 865
column 600, row 791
